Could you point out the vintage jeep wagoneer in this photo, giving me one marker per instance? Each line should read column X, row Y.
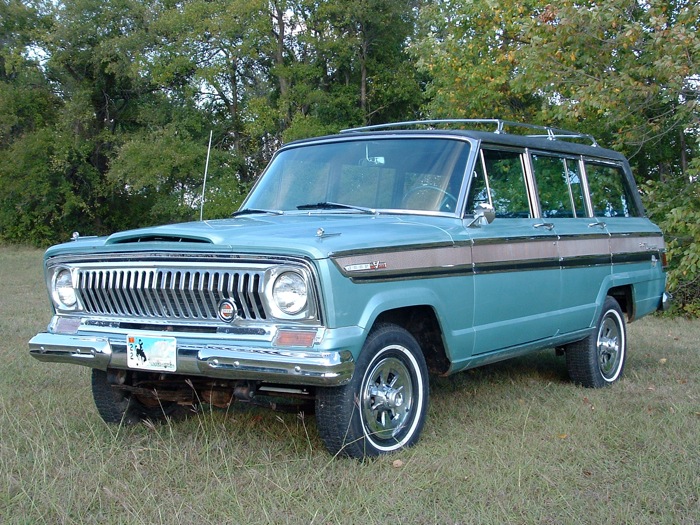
column 358, row 264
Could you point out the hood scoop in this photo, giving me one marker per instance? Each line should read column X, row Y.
column 151, row 238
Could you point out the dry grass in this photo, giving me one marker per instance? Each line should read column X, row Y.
column 510, row 443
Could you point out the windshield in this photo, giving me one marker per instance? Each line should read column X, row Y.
column 416, row 174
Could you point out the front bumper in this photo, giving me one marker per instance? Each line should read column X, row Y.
column 205, row 358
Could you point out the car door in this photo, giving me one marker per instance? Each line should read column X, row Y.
column 583, row 245
column 515, row 260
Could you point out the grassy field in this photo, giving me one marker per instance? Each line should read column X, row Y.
column 511, row 443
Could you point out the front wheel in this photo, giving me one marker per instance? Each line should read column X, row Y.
column 384, row 406
column 599, row 360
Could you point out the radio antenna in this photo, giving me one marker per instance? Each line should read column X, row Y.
column 204, row 185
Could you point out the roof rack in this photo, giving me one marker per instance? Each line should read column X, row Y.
column 501, row 125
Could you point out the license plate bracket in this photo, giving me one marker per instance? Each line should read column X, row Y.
column 145, row 352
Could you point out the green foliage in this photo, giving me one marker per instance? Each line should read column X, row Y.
column 162, row 174
column 626, row 72
column 26, row 104
column 306, row 126
column 162, row 168
column 37, row 202
column 675, row 206
column 472, row 52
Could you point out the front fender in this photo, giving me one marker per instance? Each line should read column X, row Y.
column 395, row 299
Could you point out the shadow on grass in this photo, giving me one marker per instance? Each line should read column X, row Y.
column 543, row 366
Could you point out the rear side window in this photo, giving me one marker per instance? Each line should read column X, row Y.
column 610, row 193
column 499, row 180
column 559, row 186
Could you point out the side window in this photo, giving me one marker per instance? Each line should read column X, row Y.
column 499, row 179
column 559, row 186
column 610, row 194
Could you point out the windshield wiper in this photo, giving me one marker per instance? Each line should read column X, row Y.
column 252, row 211
column 335, row 206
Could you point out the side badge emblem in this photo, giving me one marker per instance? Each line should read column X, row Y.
column 374, row 265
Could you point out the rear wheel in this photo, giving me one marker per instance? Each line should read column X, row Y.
column 599, row 360
column 116, row 405
column 383, row 408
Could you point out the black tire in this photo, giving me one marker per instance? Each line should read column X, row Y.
column 599, row 360
column 383, row 408
column 118, row 406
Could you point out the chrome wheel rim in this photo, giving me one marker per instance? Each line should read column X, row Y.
column 610, row 348
column 387, row 398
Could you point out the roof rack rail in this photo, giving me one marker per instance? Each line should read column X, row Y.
column 550, row 133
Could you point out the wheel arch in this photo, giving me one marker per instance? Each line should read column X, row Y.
column 421, row 321
column 624, row 295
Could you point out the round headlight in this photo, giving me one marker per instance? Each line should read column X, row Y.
column 290, row 293
column 64, row 292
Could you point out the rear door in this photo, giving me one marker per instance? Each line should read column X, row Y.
column 583, row 245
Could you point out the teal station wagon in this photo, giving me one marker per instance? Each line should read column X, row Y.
column 360, row 263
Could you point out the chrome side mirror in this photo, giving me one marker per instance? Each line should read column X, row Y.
column 483, row 214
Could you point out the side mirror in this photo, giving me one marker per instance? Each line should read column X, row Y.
column 483, row 214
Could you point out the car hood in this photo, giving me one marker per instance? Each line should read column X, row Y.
column 310, row 235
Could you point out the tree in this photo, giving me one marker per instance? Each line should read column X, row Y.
column 33, row 199
column 90, row 51
column 472, row 52
column 78, row 101
column 675, row 207
column 26, row 100
column 368, row 43
column 626, row 70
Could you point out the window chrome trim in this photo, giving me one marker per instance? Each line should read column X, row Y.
column 474, row 145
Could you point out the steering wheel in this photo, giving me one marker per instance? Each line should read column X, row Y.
column 448, row 202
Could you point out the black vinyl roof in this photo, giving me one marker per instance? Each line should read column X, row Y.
column 488, row 131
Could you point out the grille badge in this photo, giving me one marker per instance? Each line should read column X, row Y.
column 227, row 311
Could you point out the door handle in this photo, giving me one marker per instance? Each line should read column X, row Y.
column 546, row 225
column 597, row 225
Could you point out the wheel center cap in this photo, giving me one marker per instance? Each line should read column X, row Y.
column 387, row 398
column 395, row 399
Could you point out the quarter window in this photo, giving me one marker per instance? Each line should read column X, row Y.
column 610, row 193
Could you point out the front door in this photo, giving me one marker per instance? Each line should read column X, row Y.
column 516, row 265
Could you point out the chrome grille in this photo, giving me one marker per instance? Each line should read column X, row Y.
column 170, row 293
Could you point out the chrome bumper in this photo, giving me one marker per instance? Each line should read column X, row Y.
column 666, row 300
column 276, row 365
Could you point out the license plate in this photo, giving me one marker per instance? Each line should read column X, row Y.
column 151, row 353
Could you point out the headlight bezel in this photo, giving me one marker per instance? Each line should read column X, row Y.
column 304, row 311
column 63, row 290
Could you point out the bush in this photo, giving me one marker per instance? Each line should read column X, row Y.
column 675, row 206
